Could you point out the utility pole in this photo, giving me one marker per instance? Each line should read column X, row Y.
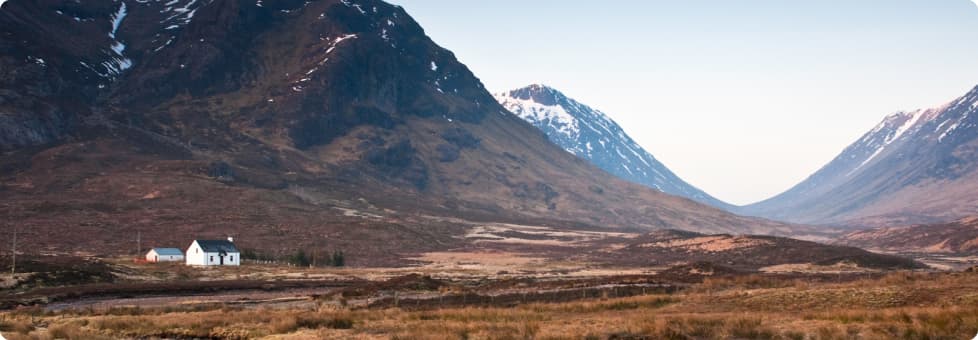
column 139, row 242
column 13, row 254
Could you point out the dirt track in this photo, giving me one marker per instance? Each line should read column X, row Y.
column 243, row 298
column 170, row 293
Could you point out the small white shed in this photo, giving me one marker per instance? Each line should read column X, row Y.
column 164, row 255
column 213, row 253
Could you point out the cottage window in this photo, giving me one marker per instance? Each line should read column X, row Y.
column 212, row 259
column 231, row 258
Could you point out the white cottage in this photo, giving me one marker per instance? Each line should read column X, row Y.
column 213, row 253
column 164, row 255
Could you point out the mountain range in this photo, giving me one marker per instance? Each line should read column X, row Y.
column 590, row 134
column 914, row 167
column 289, row 124
column 339, row 123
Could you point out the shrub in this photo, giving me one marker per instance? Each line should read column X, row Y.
column 299, row 258
column 16, row 326
column 339, row 260
column 66, row 331
column 748, row 329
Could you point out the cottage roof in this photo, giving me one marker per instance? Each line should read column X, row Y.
column 217, row 246
column 168, row 251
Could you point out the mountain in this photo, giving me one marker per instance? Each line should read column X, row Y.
column 288, row 124
column 958, row 237
column 914, row 167
column 590, row 134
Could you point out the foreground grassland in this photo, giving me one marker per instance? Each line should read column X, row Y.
column 895, row 306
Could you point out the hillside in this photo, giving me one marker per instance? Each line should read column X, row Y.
column 749, row 252
column 958, row 237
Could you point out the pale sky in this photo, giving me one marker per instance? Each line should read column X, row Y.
column 742, row 99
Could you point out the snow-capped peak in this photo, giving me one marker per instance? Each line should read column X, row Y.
column 592, row 135
column 915, row 127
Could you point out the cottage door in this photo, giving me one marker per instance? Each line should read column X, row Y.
column 156, row 258
column 222, row 259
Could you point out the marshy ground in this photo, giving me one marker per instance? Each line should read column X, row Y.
column 693, row 301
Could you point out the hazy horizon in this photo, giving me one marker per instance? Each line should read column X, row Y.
column 741, row 100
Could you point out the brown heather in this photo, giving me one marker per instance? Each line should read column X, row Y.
column 895, row 306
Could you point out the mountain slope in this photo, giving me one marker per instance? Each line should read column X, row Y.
column 590, row 134
column 290, row 124
column 914, row 167
column 747, row 251
column 958, row 237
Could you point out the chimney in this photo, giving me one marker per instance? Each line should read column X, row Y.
column 230, row 239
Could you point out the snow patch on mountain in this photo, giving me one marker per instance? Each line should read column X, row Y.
column 331, row 48
column 177, row 15
column 117, row 62
column 350, row 4
column 180, row 14
column 890, row 134
column 117, row 20
column 540, row 114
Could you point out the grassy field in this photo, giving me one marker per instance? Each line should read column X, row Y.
column 899, row 305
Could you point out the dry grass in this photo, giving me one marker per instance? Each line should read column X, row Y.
column 710, row 243
column 931, row 306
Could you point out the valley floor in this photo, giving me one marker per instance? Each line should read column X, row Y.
column 699, row 301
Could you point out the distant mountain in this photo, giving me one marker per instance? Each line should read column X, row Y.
column 592, row 135
column 914, row 167
column 289, row 124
